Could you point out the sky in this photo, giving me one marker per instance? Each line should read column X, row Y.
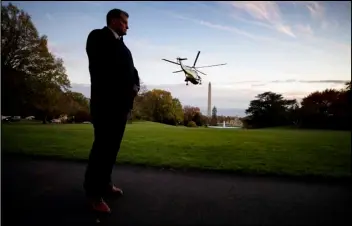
column 292, row 48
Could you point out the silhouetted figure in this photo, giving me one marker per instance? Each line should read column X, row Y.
column 114, row 85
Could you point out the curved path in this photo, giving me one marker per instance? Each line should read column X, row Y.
column 47, row 192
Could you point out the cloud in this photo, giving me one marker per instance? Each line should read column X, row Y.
column 267, row 12
column 237, row 31
column 257, row 23
column 217, row 26
column 317, row 12
column 257, row 85
column 316, row 9
column 268, row 15
column 311, row 81
column 262, row 83
column 304, row 29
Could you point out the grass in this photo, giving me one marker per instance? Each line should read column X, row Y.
column 267, row 151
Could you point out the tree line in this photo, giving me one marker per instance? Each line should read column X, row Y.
column 327, row 109
column 159, row 106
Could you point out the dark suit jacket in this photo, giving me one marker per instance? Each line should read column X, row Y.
column 112, row 72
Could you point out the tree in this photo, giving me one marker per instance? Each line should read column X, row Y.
column 75, row 103
column 50, row 79
column 348, row 85
column 32, row 77
column 138, row 104
column 19, row 39
column 214, row 119
column 177, row 112
column 159, row 106
column 293, row 114
column 269, row 109
column 214, row 112
column 193, row 114
column 189, row 113
column 329, row 109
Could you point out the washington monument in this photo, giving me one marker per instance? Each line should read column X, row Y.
column 209, row 100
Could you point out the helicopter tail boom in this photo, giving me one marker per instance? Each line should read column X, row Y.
column 177, row 71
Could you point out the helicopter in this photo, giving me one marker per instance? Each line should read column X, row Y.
column 191, row 73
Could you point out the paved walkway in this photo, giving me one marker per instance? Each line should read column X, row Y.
column 47, row 192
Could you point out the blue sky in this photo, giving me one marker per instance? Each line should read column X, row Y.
column 292, row 47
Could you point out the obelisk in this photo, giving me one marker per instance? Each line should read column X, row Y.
column 209, row 100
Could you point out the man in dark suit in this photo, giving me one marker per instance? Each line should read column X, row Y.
column 114, row 85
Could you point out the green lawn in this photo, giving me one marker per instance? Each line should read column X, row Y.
column 277, row 151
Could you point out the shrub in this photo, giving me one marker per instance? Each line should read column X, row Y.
column 191, row 124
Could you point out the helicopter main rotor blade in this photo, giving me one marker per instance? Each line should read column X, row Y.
column 195, row 61
column 211, row 65
column 171, row 61
column 200, row 72
column 177, row 71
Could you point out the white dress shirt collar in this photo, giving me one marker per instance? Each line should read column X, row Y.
column 115, row 34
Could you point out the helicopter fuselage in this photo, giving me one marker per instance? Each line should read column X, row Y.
column 191, row 75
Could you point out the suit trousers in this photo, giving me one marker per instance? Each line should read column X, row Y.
column 108, row 134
